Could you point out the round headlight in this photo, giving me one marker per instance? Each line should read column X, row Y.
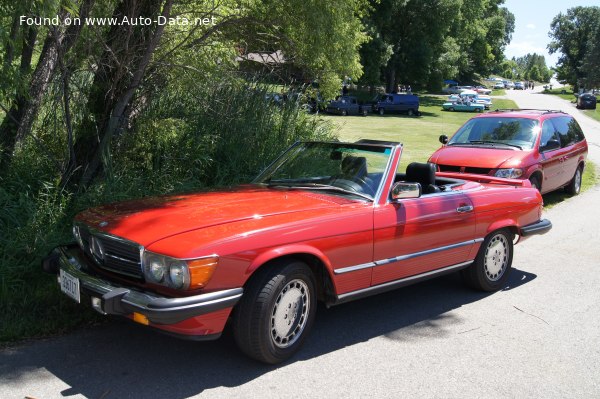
column 156, row 269
column 178, row 274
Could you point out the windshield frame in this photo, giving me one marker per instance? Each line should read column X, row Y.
column 297, row 146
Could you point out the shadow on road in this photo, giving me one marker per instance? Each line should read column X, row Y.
column 121, row 359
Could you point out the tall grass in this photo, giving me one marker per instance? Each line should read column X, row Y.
column 211, row 135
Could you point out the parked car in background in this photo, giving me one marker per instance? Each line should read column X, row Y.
column 348, row 105
column 546, row 147
column 508, row 84
column 483, row 90
column 327, row 221
column 586, row 101
column 390, row 103
column 452, row 89
column 519, row 86
column 473, row 97
column 499, row 85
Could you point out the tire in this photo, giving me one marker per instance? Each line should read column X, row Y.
column 381, row 111
column 344, row 112
column 410, row 112
column 574, row 186
column 364, row 112
column 478, row 110
column 535, row 182
column 491, row 268
column 276, row 311
column 451, row 109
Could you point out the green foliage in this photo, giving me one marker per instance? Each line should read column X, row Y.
column 434, row 40
column 575, row 36
column 217, row 133
column 531, row 67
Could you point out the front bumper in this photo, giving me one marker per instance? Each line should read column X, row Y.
column 540, row 227
column 125, row 301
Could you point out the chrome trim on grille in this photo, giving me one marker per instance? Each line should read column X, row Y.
column 387, row 261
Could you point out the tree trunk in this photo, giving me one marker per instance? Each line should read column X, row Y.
column 114, row 85
column 16, row 125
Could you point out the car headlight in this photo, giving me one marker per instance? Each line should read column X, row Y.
column 77, row 235
column 510, row 173
column 178, row 273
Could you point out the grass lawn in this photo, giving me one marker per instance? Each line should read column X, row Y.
column 593, row 113
column 418, row 134
column 498, row 92
column 562, row 92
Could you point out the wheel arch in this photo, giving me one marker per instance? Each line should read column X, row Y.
column 315, row 259
column 508, row 224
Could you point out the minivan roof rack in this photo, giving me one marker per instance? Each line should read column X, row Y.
column 543, row 111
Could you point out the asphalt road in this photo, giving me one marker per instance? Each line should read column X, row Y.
column 539, row 337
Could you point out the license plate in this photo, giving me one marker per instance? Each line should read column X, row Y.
column 69, row 285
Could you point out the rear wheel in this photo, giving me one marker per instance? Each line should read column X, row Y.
column 411, row 112
column 276, row 312
column 491, row 268
column 364, row 112
column 574, row 187
column 344, row 112
column 451, row 109
column 381, row 111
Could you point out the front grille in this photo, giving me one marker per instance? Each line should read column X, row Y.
column 117, row 255
column 449, row 168
column 478, row 171
column 461, row 169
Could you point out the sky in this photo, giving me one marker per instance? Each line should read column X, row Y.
column 532, row 24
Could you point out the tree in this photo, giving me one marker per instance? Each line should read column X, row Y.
column 572, row 35
column 591, row 61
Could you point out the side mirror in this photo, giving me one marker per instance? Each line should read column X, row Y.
column 552, row 144
column 403, row 190
column 444, row 139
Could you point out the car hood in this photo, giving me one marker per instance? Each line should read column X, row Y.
column 478, row 157
column 148, row 220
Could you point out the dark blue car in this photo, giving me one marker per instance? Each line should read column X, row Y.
column 406, row 103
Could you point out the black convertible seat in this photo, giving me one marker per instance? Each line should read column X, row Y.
column 354, row 166
column 423, row 173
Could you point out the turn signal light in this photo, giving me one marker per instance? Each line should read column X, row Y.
column 140, row 318
column 201, row 271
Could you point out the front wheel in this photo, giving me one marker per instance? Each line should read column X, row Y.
column 381, row 111
column 410, row 112
column 276, row 311
column 492, row 266
column 574, row 186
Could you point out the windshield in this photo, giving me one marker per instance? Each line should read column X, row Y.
column 519, row 133
column 339, row 168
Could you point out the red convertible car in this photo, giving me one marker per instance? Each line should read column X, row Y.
column 327, row 221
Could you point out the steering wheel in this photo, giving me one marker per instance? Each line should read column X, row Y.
column 353, row 183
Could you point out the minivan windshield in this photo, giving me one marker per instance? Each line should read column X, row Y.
column 517, row 133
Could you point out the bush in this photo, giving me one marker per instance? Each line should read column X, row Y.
column 212, row 135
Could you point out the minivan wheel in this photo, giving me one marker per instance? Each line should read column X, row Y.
column 574, row 186
column 410, row 112
column 381, row 111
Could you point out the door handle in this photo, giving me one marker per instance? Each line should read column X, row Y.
column 464, row 208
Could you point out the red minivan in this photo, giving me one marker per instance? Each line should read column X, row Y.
column 547, row 147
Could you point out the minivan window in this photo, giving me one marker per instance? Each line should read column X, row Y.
column 568, row 129
column 548, row 133
column 515, row 132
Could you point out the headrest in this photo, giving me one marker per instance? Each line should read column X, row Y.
column 423, row 173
